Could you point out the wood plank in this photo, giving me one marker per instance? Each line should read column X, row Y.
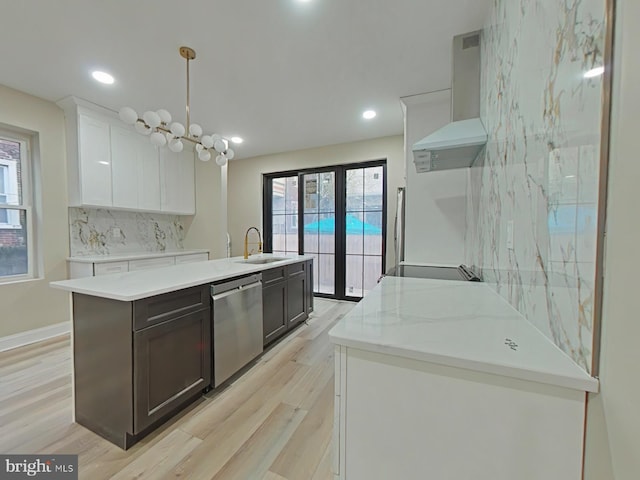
column 224, row 436
column 259, row 452
column 156, row 462
column 303, row 453
column 324, row 470
column 273, row 476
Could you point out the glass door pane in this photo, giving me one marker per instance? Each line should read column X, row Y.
column 284, row 215
column 319, row 197
column 363, row 229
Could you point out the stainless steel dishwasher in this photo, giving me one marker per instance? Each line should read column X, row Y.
column 237, row 325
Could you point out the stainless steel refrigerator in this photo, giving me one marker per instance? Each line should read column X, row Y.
column 398, row 230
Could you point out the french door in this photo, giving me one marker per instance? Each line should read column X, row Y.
column 336, row 214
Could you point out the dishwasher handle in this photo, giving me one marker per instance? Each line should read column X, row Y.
column 238, row 283
column 219, row 296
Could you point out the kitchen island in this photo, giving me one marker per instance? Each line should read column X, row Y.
column 444, row 379
column 143, row 342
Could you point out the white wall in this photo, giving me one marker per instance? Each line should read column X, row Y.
column 436, row 201
column 33, row 304
column 207, row 229
column 613, row 421
column 245, row 180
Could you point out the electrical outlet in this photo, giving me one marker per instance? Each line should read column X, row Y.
column 510, row 234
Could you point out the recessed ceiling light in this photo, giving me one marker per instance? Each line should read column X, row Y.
column 369, row 114
column 594, row 72
column 237, row 139
column 102, row 77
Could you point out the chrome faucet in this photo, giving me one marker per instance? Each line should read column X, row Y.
column 246, row 242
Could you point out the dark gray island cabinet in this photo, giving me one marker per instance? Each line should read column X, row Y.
column 144, row 342
column 136, row 363
column 287, row 298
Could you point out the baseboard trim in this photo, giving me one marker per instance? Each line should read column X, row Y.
column 32, row 336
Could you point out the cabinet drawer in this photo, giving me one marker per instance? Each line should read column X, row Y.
column 151, row 263
column 295, row 269
column 160, row 308
column 192, row 257
column 273, row 275
column 111, row 267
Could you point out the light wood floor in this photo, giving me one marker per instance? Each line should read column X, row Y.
column 273, row 423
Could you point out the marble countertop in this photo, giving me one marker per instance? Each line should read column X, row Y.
column 458, row 324
column 131, row 286
column 131, row 256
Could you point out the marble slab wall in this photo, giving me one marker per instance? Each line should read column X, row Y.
column 109, row 232
column 532, row 198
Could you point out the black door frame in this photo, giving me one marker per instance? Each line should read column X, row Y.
column 340, row 208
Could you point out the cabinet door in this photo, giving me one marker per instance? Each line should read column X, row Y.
column 95, row 161
column 124, row 167
column 274, row 311
column 135, row 168
column 172, row 364
column 148, row 175
column 177, row 182
column 296, row 311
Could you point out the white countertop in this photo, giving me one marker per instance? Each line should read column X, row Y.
column 458, row 324
column 131, row 286
column 131, row 256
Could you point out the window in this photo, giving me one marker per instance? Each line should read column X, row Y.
column 16, row 252
column 4, row 187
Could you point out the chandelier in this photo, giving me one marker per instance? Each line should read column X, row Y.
column 162, row 132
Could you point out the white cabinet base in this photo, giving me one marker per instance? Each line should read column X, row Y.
column 401, row 418
column 80, row 269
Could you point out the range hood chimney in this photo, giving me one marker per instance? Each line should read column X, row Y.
column 457, row 144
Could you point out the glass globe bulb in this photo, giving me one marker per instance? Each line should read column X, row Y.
column 165, row 117
column 176, row 145
column 219, row 145
column 142, row 129
column 207, row 141
column 195, row 130
column 158, row 139
column 229, row 154
column 128, row 115
column 204, row 155
column 177, row 129
column 199, row 147
column 152, row 119
column 221, row 160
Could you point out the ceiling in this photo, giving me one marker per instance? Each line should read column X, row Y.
column 282, row 74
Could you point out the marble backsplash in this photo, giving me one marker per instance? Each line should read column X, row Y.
column 109, row 232
column 532, row 198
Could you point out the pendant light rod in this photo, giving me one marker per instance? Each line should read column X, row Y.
column 162, row 132
column 188, row 54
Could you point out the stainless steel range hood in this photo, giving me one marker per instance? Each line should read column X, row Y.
column 459, row 143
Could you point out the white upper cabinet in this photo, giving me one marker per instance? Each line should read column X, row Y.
column 124, row 171
column 111, row 166
column 94, row 151
column 149, row 177
column 135, row 170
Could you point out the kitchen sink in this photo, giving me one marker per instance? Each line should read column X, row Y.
column 259, row 261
